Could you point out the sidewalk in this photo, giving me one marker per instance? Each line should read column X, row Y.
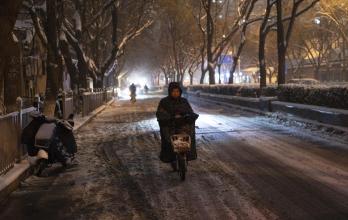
column 11, row 180
column 81, row 121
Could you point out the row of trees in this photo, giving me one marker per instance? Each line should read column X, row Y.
column 93, row 32
column 178, row 37
column 323, row 39
column 270, row 33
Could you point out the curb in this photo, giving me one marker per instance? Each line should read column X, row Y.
column 280, row 115
column 12, row 179
column 225, row 104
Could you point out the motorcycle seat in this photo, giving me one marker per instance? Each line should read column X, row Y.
column 44, row 134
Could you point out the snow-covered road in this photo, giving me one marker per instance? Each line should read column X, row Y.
column 248, row 168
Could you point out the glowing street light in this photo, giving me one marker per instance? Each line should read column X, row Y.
column 317, row 21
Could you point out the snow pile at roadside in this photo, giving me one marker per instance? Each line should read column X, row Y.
column 309, row 129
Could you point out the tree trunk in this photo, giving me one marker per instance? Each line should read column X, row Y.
column 231, row 78
column 54, row 74
column 210, row 38
column 262, row 62
column 158, row 79
column 8, row 15
column 233, row 69
column 211, row 75
column 64, row 48
column 81, row 64
column 201, row 81
column 166, row 78
column 13, row 77
column 281, row 44
column 219, row 71
column 203, row 70
column 316, row 72
column 262, row 43
column 344, row 57
column 181, row 80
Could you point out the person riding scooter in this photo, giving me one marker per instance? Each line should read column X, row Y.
column 146, row 89
column 133, row 91
column 175, row 115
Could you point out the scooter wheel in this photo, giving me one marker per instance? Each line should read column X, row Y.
column 41, row 165
column 182, row 169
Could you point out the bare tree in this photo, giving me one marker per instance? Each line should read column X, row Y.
column 247, row 20
column 8, row 14
column 283, row 24
column 216, row 35
column 179, row 38
column 337, row 12
column 97, row 31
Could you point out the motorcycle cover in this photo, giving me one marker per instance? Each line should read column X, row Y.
column 66, row 135
column 29, row 132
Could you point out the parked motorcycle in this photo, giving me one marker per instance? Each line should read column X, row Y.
column 50, row 141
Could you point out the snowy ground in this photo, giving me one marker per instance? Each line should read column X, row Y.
column 248, row 168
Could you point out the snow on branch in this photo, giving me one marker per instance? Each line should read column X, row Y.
column 101, row 12
column 118, row 50
column 37, row 22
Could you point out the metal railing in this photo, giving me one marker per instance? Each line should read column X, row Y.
column 25, row 116
column 8, row 141
column 11, row 125
column 91, row 101
column 109, row 95
column 68, row 105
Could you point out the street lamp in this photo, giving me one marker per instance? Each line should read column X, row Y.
column 317, row 21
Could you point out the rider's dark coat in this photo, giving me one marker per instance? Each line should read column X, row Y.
column 166, row 111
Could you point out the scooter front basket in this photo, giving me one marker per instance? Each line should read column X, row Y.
column 181, row 143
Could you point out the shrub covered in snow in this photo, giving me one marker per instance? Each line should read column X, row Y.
column 334, row 96
column 244, row 90
column 329, row 96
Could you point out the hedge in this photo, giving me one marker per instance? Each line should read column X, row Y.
column 328, row 96
column 250, row 90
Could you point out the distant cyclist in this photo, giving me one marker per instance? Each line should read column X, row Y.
column 146, row 89
column 133, row 92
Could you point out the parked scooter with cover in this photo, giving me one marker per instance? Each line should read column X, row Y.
column 50, row 141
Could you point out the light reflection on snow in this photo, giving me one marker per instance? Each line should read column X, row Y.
column 125, row 95
column 207, row 119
